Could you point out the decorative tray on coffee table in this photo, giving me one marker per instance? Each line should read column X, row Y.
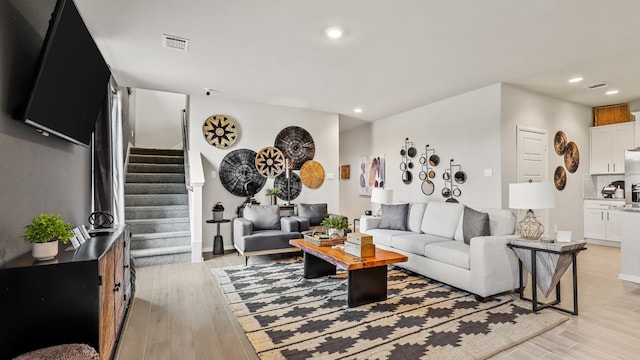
column 324, row 240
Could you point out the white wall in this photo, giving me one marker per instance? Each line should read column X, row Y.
column 258, row 125
column 354, row 143
column 157, row 119
column 465, row 128
column 525, row 108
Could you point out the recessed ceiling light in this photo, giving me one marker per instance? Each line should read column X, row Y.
column 333, row 32
column 576, row 79
column 357, row 110
column 612, row 92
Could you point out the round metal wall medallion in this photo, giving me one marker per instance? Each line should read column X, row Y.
column 220, row 131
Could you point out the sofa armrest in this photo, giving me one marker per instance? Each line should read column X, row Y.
column 368, row 223
column 494, row 266
column 289, row 224
column 303, row 223
column 242, row 227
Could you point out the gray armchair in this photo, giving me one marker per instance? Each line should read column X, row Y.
column 262, row 231
column 310, row 216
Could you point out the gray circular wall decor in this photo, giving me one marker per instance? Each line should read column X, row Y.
column 270, row 161
column 296, row 144
column 294, row 186
column 220, row 131
column 239, row 175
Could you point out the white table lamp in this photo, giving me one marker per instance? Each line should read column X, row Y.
column 531, row 195
column 381, row 196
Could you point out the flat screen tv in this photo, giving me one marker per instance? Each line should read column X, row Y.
column 70, row 81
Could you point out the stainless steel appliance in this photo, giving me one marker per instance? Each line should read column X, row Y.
column 632, row 177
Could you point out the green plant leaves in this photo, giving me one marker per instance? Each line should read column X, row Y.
column 47, row 228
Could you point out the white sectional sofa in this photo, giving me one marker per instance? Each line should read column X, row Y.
column 451, row 243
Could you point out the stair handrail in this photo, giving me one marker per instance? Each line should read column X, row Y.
column 185, row 149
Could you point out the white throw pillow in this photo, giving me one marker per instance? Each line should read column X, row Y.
column 441, row 218
column 416, row 213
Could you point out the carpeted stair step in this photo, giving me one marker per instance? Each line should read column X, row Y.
column 144, row 226
column 156, row 200
column 158, row 240
column 155, row 168
column 148, row 151
column 163, row 255
column 155, row 212
column 153, row 188
column 156, row 159
column 155, row 178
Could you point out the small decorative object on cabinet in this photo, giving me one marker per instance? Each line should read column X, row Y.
column 79, row 297
column 220, row 131
column 44, row 233
column 273, row 194
column 218, row 211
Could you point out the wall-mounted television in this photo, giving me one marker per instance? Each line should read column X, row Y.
column 70, row 80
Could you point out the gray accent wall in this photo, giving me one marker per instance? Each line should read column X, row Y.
column 38, row 174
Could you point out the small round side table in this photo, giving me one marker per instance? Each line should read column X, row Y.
column 218, row 249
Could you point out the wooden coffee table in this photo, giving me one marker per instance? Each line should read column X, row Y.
column 367, row 277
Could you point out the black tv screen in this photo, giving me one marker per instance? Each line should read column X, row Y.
column 71, row 79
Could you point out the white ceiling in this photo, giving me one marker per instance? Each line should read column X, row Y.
column 394, row 55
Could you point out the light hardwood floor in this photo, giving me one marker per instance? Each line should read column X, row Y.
column 179, row 312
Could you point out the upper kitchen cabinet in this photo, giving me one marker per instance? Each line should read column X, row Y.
column 608, row 144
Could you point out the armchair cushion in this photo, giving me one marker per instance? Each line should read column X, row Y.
column 263, row 217
column 314, row 212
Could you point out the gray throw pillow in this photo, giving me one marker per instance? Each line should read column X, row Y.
column 474, row 223
column 263, row 217
column 314, row 212
column 394, row 217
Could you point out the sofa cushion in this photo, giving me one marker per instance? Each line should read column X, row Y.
column 474, row 223
column 414, row 243
column 501, row 221
column 394, row 217
column 441, row 218
column 314, row 212
column 416, row 213
column 454, row 253
column 383, row 236
column 263, row 217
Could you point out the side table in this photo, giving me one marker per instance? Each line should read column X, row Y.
column 218, row 248
column 547, row 262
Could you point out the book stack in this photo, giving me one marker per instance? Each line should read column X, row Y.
column 360, row 245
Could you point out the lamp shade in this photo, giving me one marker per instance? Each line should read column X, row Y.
column 532, row 195
column 381, row 196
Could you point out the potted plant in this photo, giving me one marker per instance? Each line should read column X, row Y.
column 218, row 211
column 335, row 226
column 273, row 192
column 44, row 232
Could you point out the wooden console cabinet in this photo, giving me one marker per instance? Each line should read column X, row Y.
column 81, row 296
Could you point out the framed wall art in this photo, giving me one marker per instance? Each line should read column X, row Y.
column 345, row 172
column 372, row 172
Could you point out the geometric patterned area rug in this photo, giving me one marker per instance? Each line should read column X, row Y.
column 286, row 316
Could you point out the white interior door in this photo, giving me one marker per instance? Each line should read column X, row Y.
column 532, row 164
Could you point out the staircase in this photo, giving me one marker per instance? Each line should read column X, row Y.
column 157, row 207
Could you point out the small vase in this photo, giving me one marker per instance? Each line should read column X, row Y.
column 45, row 251
column 274, row 199
column 335, row 233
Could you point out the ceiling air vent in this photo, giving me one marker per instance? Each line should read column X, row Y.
column 596, row 85
column 174, row 42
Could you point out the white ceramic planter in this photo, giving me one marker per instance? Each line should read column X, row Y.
column 335, row 233
column 45, row 251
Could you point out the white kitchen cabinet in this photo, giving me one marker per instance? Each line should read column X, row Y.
column 608, row 144
column 602, row 220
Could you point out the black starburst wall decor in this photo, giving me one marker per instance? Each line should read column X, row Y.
column 220, row 131
column 270, row 161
